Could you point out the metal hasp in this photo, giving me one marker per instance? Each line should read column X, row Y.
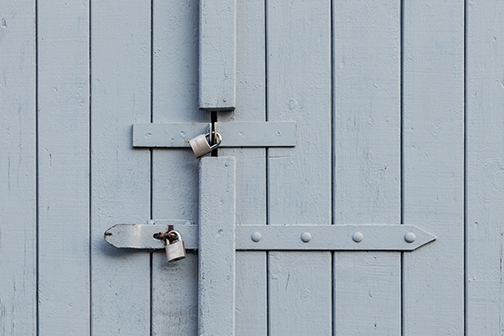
column 287, row 237
column 217, row 54
column 234, row 134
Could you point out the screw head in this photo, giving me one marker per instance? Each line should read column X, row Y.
column 409, row 237
column 306, row 237
column 256, row 236
column 357, row 237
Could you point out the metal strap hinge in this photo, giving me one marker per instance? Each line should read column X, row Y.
column 288, row 237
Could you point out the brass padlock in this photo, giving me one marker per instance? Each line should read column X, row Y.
column 201, row 144
column 175, row 250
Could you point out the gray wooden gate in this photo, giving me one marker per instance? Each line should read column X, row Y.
column 398, row 112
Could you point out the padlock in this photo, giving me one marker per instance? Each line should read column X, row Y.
column 175, row 250
column 201, row 145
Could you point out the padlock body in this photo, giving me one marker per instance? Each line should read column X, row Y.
column 175, row 251
column 200, row 145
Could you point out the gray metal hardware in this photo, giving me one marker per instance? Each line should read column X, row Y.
column 364, row 237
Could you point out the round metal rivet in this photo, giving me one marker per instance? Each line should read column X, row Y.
column 357, row 237
column 256, row 236
column 409, row 237
column 306, row 237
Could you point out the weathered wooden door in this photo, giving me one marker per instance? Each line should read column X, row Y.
column 340, row 73
column 398, row 112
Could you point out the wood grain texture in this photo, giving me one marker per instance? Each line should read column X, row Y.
column 120, row 75
column 433, row 165
column 367, row 293
column 175, row 171
column 485, row 167
column 367, row 181
column 251, row 278
column 175, row 295
column 367, row 161
column 63, row 108
column 299, row 89
column 217, row 54
column 217, row 270
column 299, row 293
column 18, row 283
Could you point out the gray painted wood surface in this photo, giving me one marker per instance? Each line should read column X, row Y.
column 234, row 134
column 121, row 176
column 299, row 179
column 217, row 59
column 175, row 172
column 18, row 169
column 398, row 108
column 485, row 167
column 433, row 165
column 216, row 253
column 63, row 168
column 251, row 267
column 367, row 171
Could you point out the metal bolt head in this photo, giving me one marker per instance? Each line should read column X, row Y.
column 409, row 237
column 256, row 236
column 357, row 237
column 306, row 237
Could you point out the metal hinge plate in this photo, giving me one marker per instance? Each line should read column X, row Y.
column 364, row 237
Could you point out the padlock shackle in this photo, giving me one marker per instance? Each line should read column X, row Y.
column 219, row 140
column 179, row 237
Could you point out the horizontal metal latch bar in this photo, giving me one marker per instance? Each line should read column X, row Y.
column 234, row 134
column 141, row 236
column 364, row 237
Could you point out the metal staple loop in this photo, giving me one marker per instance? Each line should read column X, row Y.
column 169, row 234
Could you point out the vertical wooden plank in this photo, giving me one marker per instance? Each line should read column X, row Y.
column 251, row 310
column 120, row 76
column 216, row 283
column 367, row 293
column 18, row 284
column 299, row 89
column 175, row 295
column 367, row 161
column 63, row 151
column 433, row 165
column 485, row 160
column 175, row 172
column 251, row 278
column 217, row 56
